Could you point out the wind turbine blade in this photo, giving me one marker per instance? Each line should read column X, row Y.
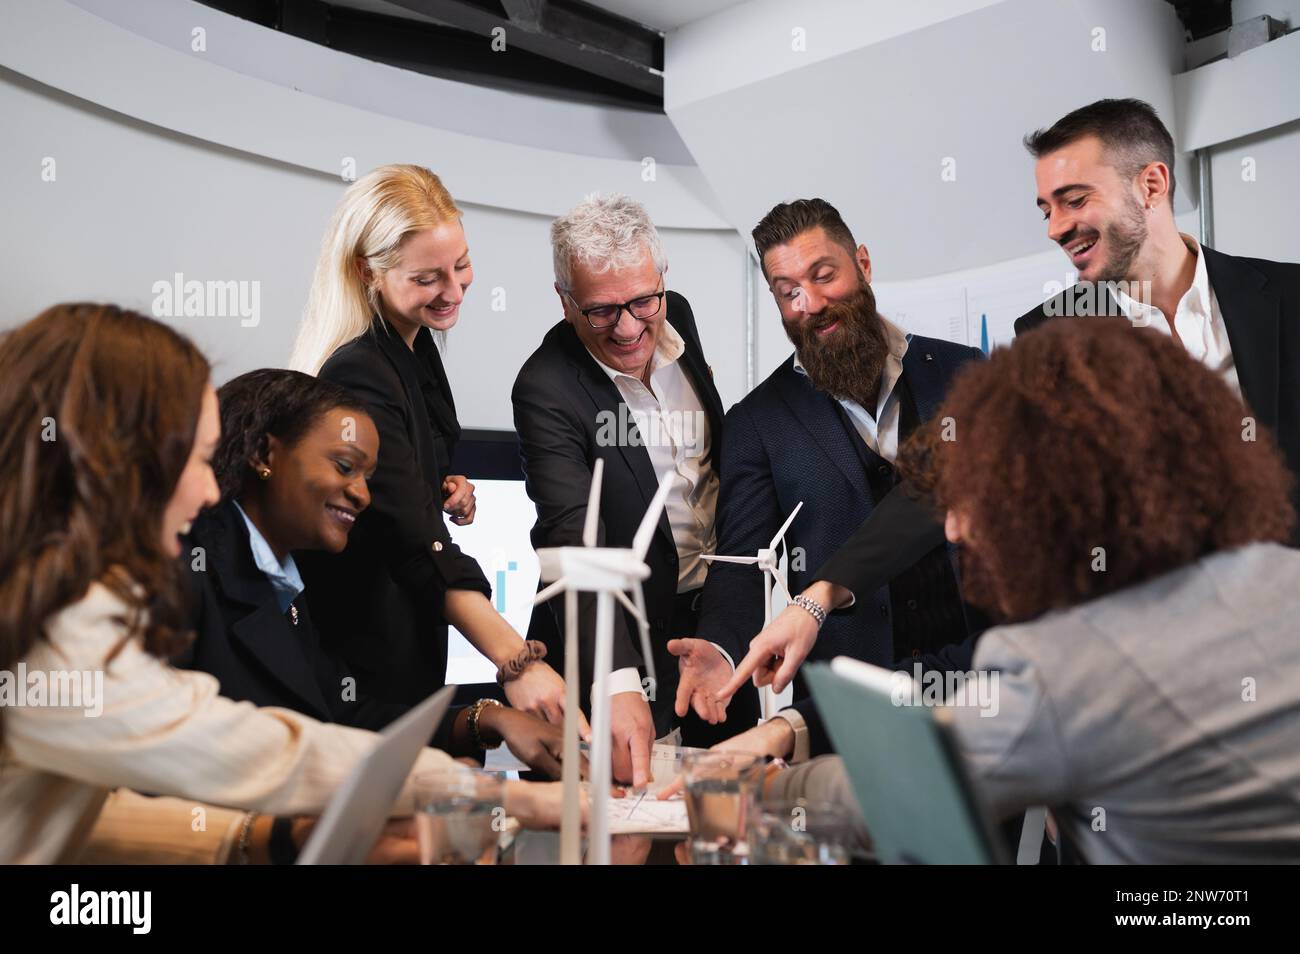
column 785, row 526
column 644, row 626
column 776, row 578
column 714, row 558
column 628, row 605
column 545, row 594
column 645, row 533
column 593, row 504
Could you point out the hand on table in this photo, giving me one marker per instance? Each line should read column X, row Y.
column 535, row 742
column 633, row 730
column 773, row 738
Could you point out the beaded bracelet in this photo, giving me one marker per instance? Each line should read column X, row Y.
column 815, row 609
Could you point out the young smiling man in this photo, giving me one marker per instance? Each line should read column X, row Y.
column 1104, row 177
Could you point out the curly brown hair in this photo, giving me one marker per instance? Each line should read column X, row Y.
column 98, row 411
column 1091, row 456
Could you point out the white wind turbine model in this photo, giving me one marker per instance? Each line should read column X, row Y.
column 608, row 572
column 767, row 561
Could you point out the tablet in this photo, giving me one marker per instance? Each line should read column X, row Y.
column 904, row 766
column 358, row 811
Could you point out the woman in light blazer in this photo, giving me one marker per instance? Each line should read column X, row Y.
column 107, row 426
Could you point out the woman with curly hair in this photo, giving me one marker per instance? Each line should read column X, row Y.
column 1111, row 502
column 1113, row 508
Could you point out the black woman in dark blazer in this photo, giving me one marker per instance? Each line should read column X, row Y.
column 293, row 463
column 393, row 270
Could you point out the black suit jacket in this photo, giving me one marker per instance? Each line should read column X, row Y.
column 786, row 442
column 257, row 654
column 1260, row 303
column 379, row 603
column 562, row 399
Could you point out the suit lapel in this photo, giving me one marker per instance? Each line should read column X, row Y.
column 816, row 414
column 605, row 399
column 1252, row 316
column 262, row 629
column 924, row 371
column 422, row 430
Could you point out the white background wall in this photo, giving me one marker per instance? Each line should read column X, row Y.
column 133, row 203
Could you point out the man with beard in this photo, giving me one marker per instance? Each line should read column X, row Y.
column 1105, row 184
column 824, row 429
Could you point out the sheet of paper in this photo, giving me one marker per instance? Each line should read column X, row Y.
column 637, row 815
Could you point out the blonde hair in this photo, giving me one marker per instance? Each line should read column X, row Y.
column 375, row 216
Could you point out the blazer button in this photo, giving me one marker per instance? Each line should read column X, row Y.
column 884, row 611
column 437, row 546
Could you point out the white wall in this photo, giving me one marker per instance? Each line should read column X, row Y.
column 132, row 204
column 1258, row 217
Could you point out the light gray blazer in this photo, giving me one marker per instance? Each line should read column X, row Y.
column 1161, row 723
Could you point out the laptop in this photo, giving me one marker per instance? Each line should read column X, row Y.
column 358, row 811
column 904, row 766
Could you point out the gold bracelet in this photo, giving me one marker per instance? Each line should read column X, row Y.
column 474, row 712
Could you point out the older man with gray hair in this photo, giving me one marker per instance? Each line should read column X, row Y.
column 622, row 377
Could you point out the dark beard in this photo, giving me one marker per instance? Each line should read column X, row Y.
column 1125, row 238
column 848, row 363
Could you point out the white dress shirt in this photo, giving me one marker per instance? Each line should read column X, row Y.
column 283, row 577
column 674, row 429
column 1197, row 319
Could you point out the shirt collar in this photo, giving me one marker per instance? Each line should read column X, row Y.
column 285, row 578
column 898, row 340
column 1197, row 296
column 668, row 349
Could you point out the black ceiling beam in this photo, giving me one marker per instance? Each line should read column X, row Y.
column 1200, row 18
column 437, row 49
column 566, row 31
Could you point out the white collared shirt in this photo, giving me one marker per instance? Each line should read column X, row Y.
column 1197, row 319
column 674, row 429
column 880, row 432
column 284, row 577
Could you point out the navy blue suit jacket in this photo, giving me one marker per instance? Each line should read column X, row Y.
column 785, row 443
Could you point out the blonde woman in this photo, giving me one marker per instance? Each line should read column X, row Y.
column 394, row 267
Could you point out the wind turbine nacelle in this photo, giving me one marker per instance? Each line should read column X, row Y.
column 767, row 559
column 592, row 568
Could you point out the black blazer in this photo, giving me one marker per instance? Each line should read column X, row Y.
column 1260, row 303
column 561, row 396
column 257, row 654
column 787, row 442
column 379, row 604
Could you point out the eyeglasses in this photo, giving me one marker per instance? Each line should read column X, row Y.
column 606, row 316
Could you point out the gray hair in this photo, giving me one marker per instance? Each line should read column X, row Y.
column 604, row 232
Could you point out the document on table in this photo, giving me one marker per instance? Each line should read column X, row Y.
column 647, row 815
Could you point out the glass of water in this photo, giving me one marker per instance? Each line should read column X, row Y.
column 722, row 791
column 459, row 816
column 801, row 832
